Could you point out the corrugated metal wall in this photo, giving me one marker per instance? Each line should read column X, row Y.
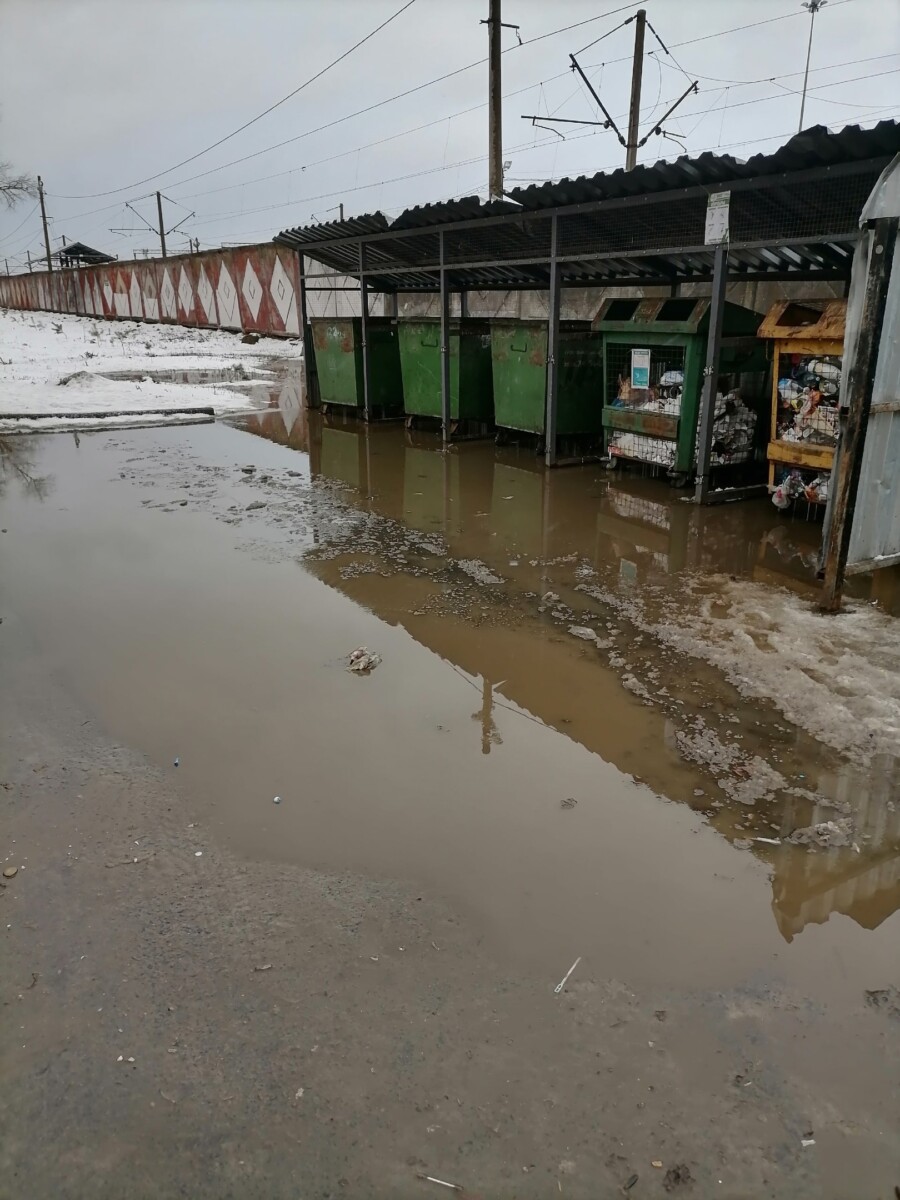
column 251, row 288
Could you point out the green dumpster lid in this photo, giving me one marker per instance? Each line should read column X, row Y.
column 674, row 314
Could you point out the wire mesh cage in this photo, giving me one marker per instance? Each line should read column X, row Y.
column 666, row 379
column 809, row 389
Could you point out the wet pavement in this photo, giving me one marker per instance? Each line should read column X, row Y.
column 546, row 638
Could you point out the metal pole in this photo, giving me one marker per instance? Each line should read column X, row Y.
column 28, row 252
column 341, row 210
column 445, row 346
column 162, row 228
column 310, row 382
column 364, row 313
column 463, row 304
column 711, row 372
column 813, row 7
column 44, row 220
column 495, row 105
column 6, row 264
column 634, row 113
column 845, row 477
column 552, row 347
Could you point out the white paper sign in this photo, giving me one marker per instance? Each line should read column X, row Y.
column 640, row 368
column 717, row 218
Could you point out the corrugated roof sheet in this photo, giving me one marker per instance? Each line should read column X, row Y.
column 781, row 228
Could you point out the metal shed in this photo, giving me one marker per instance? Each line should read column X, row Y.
column 793, row 215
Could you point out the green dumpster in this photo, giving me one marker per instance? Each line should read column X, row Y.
column 519, row 361
column 471, row 380
column 653, row 353
column 337, row 344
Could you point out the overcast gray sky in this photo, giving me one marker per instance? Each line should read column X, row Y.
column 98, row 95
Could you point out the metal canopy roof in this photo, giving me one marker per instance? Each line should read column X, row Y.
column 78, row 252
column 794, row 215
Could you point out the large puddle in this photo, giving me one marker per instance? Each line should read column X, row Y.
column 546, row 638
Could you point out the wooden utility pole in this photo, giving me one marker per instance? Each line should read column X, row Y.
column 848, row 465
column 44, row 220
column 637, row 70
column 162, row 228
column 495, row 105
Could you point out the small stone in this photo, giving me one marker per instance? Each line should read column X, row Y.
column 255, row 504
column 9, row 872
column 656, row 1162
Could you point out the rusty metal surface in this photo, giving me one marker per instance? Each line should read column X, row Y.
column 781, row 320
column 653, row 424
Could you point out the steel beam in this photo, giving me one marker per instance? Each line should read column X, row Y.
column 445, row 348
column 711, row 372
column 552, row 350
column 364, row 313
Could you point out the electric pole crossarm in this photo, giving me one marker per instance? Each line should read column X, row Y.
column 564, row 120
column 610, row 123
column 657, row 128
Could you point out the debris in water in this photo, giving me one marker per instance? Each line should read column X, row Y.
column 559, row 987
column 629, row 1183
column 198, row 853
column 9, row 872
column 825, row 833
column 264, row 967
column 457, row 1187
column 807, row 1141
column 768, row 841
column 176, row 762
column 298, row 1095
column 276, row 799
column 254, row 505
column 569, row 802
column 362, row 660
column 677, row 1176
column 656, row 1162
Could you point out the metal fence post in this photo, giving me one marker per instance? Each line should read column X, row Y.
column 364, row 327
column 848, row 464
column 552, row 347
column 711, row 372
column 445, row 345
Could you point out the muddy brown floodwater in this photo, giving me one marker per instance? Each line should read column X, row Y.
column 556, row 760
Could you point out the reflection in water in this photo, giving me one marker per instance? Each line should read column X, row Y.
column 490, row 735
column 540, row 532
column 17, row 466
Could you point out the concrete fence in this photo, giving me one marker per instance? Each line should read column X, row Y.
column 250, row 289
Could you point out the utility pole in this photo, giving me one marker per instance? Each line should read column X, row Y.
column 812, row 7
column 44, row 220
column 162, row 228
column 637, row 70
column 341, row 211
column 495, row 105
column 6, row 264
column 28, row 252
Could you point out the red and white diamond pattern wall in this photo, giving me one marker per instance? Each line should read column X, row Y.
column 251, row 288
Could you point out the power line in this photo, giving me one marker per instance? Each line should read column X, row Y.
column 475, row 107
column 253, row 120
column 215, row 217
column 7, row 236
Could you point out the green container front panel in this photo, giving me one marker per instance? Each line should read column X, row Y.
column 471, row 380
column 337, row 345
column 519, row 359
